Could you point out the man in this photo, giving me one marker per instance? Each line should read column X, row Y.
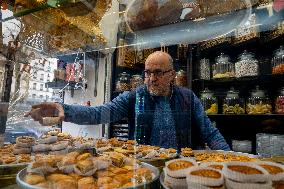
column 174, row 116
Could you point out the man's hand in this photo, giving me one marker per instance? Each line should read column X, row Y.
column 48, row 109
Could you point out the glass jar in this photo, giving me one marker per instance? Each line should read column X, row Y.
column 233, row 104
column 181, row 78
column 204, row 69
column 209, row 102
column 223, row 68
column 258, row 103
column 247, row 65
column 279, row 103
column 136, row 81
column 278, row 61
column 123, row 83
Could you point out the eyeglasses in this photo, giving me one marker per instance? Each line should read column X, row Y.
column 156, row 73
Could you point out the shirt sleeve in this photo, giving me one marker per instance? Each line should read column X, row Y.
column 209, row 133
column 106, row 113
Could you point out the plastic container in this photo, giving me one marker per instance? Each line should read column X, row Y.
column 223, row 68
column 233, row 104
column 258, row 103
column 209, row 101
column 278, row 61
column 181, row 78
column 247, row 65
column 123, row 83
column 279, row 102
column 136, row 81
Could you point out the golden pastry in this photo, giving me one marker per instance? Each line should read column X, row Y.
column 75, row 176
column 9, row 159
column 179, row 164
column 85, row 166
column 244, row 169
column 122, row 179
column 186, row 152
column 34, row 179
column 25, row 141
column 206, row 173
column 219, row 167
column 272, row 169
column 104, row 180
column 86, row 183
column 84, row 156
column 119, row 171
column 65, row 184
column 23, row 158
column 55, row 177
column 104, row 173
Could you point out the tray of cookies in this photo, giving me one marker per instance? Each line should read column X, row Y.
column 83, row 170
column 217, row 155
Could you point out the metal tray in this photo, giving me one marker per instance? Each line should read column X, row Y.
column 153, row 184
column 8, row 173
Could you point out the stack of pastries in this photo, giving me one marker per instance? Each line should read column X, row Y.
column 83, row 171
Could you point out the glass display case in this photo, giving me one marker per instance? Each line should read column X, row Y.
column 78, row 67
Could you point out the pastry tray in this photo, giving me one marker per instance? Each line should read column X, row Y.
column 225, row 152
column 153, row 184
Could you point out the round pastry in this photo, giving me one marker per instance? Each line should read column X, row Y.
column 214, row 165
column 22, row 150
column 245, row 172
column 59, row 145
column 25, row 141
column 47, row 139
column 41, row 148
column 179, row 167
column 24, row 158
column 9, row 159
column 175, row 172
column 205, row 176
column 275, row 170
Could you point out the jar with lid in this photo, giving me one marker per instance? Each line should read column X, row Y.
column 279, row 103
column 223, row 68
column 181, row 78
column 136, row 81
column 123, row 83
column 278, row 61
column 258, row 103
column 233, row 104
column 246, row 65
column 209, row 101
column 204, row 69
